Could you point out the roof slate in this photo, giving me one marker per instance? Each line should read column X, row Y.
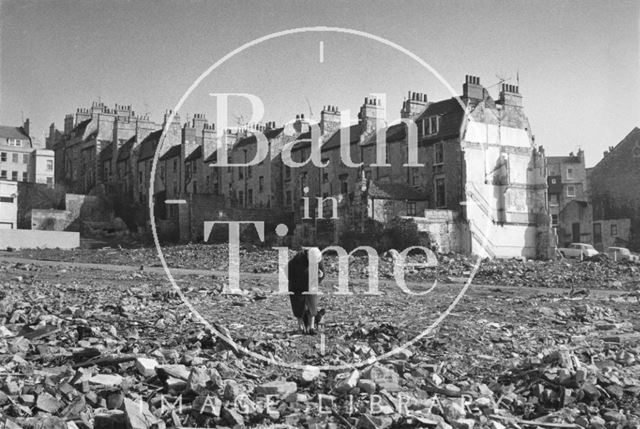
column 396, row 191
column 197, row 153
column 173, row 152
column 125, row 150
column 149, row 145
column 7, row 132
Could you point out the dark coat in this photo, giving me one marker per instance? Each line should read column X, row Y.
column 298, row 274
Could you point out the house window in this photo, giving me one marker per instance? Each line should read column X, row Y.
column 24, row 176
column 411, row 208
column 571, row 191
column 438, row 155
column 430, row 125
column 250, row 196
column 554, row 220
column 140, row 177
column 49, row 165
column 440, row 192
column 216, row 188
column 25, row 158
column 569, row 173
column 344, row 186
column 553, row 199
column 15, row 158
column 195, row 168
column 249, row 172
column 325, row 177
column 416, row 177
column 14, row 176
column 175, row 189
column 287, row 172
column 261, row 184
column 240, row 173
column 195, row 186
column 614, row 229
column 288, row 198
column 241, row 197
column 3, row 156
column 175, row 165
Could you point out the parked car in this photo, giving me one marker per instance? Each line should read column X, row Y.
column 618, row 253
column 578, row 250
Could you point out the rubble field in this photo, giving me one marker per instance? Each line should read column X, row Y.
column 600, row 273
column 90, row 348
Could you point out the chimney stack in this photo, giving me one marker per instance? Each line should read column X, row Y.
column 372, row 115
column 329, row 120
column 472, row 88
column 510, row 95
column 413, row 105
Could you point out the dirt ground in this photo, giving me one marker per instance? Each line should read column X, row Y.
column 498, row 336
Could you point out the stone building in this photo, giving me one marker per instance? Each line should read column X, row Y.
column 478, row 161
column 614, row 184
column 21, row 160
column 80, row 161
column 569, row 205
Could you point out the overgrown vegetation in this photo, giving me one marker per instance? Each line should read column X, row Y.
column 397, row 234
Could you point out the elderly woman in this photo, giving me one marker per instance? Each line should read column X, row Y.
column 304, row 305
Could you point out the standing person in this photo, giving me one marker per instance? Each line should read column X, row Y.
column 304, row 305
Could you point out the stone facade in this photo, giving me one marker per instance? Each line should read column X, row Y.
column 569, row 203
column 477, row 155
column 614, row 185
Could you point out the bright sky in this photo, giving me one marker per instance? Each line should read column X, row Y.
column 578, row 61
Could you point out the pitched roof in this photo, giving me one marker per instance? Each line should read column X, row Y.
column 354, row 137
column 107, row 152
column 451, row 116
column 212, row 158
column 7, row 132
column 632, row 138
column 125, row 150
column 269, row 134
column 395, row 133
column 197, row 153
column 396, row 191
column 149, row 145
column 79, row 128
column 173, row 152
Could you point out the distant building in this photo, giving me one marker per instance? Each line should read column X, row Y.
column 20, row 158
column 615, row 193
column 43, row 167
column 15, row 152
column 8, row 204
column 80, row 161
column 569, row 206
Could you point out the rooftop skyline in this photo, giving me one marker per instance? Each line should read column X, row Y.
column 579, row 79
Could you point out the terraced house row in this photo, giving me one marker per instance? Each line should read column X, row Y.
column 481, row 186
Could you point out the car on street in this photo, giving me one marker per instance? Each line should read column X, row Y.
column 578, row 250
column 621, row 253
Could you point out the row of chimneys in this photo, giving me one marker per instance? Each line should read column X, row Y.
column 509, row 88
column 417, row 96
